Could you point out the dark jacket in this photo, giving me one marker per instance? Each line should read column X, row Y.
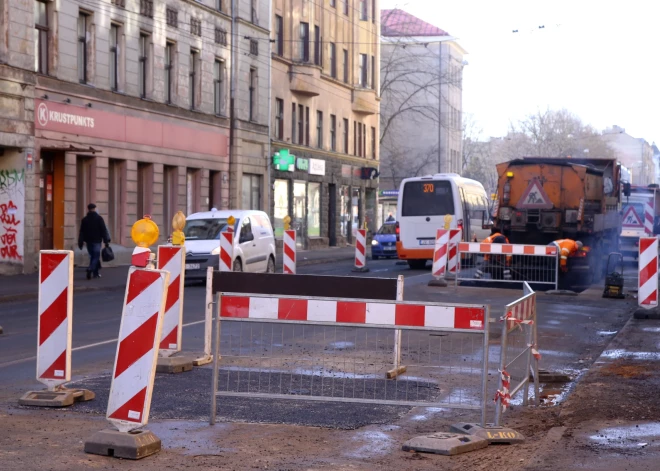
column 93, row 230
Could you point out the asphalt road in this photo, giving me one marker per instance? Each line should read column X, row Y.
column 573, row 331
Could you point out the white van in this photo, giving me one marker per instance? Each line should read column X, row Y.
column 422, row 206
column 254, row 242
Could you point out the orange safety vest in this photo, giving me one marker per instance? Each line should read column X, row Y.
column 567, row 247
column 489, row 240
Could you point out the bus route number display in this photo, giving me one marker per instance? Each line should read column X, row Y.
column 429, row 188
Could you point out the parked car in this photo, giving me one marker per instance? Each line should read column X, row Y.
column 384, row 242
column 254, row 242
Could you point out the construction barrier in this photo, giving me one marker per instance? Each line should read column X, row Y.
column 453, row 266
column 289, row 252
column 649, row 211
column 519, row 357
column 172, row 258
column 226, row 250
column 440, row 253
column 510, row 263
column 137, row 349
column 338, row 349
column 361, row 250
column 647, row 294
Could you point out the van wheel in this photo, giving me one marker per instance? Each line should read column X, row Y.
column 238, row 266
column 271, row 265
column 417, row 264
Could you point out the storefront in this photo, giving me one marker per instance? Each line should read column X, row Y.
column 327, row 199
column 387, row 205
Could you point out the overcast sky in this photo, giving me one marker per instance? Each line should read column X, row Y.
column 598, row 59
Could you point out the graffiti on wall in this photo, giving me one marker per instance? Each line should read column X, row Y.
column 12, row 209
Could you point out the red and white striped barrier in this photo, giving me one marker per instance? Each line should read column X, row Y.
column 289, row 252
column 402, row 314
column 513, row 249
column 649, row 207
column 455, row 236
column 503, row 394
column 141, row 257
column 361, row 249
column 55, row 317
column 172, row 259
column 647, row 294
column 137, row 349
column 440, row 253
column 226, row 250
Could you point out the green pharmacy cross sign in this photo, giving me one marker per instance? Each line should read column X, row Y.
column 284, row 161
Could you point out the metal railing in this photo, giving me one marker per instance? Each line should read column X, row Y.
column 344, row 358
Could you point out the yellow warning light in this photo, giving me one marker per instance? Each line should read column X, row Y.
column 144, row 232
column 178, row 223
column 287, row 222
column 509, row 174
column 448, row 219
column 493, row 196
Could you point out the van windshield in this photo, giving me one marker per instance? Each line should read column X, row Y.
column 427, row 198
column 204, row 229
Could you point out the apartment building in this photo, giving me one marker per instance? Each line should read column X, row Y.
column 124, row 103
column 635, row 153
column 324, row 118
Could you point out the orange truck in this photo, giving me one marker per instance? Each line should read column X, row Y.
column 540, row 200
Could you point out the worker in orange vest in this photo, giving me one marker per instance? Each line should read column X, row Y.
column 495, row 238
column 566, row 247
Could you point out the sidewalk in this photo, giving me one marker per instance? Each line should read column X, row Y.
column 23, row 287
column 612, row 419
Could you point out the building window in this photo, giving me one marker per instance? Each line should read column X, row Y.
column 253, row 9
column 363, row 71
column 345, row 65
column 144, row 189
column 293, row 123
column 279, row 119
column 333, row 132
column 193, row 177
column 192, row 78
column 319, row 129
column 253, row 94
column 116, row 198
column 307, row 125
column 333, row 61
column 169, row 66
column 317, row 45
column 360, row 140
column 114, row 57
column 355, row 138
column 218, row 5
column 254, row 47
column 83, row 23
column 314, row 209
column 170, row 193
column 218, row 86
column 119, row 3
column 373, row 11
column 85, row 184
column 251, row 192
column 172, row 17
column 195, row 26
column 373, row 142
column 301, row 124
column 281, row 210
column 363, row 10
column 346, row 6
column 346, row 136
column 142, row 64
column 373, row 72
column 304, row 42
column 147, row 8
column 220, row 36
column 364, row 140
column 41, row 37
column 333, row 3
column 279, row 36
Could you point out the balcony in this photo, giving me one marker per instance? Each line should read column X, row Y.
column 364, row 101
column 304, row 79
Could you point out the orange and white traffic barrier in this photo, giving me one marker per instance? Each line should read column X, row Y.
column 452, row 260
column 361, row 250
column 647, row 294
column 289, row 252
column 649, row 210
column 440, row 253
column 172, row 259
column 226, row 250
column 513, row 249
column 137, row 349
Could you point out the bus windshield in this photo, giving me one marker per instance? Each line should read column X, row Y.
column 427, row 198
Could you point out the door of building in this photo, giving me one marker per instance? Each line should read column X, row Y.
column 332, row 215
column 299, row 220
column 51, row 196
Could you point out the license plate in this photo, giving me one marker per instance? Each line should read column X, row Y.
column 427, row 242
column 389, row 249
column 193, row 266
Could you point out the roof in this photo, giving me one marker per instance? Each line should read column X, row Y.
column 397, row 22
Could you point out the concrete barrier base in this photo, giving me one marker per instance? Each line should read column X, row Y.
column 201, row 359
column 58, row 398
column 133, row 445
column 491, row 433
column 642, row 313
column 445, row 443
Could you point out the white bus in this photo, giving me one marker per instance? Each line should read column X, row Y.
column 422, row 206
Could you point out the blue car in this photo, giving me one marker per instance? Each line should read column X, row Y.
column 384, row 242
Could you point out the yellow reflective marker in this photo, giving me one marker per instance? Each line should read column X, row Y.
column 509, row 174
column 287, row 222
column 448, row 219
column 178, row 223
column 144, row 232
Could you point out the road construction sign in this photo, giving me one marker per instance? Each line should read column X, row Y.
column 631, row 218
column 535, row 197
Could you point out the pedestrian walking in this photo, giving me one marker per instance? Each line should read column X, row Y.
column 93, row 232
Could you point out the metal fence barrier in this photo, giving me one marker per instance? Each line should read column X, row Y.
column 333, row 349
column 508, row 263
column 519, row 354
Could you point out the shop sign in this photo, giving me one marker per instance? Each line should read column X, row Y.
column 388, row 193
column 302, row 164
column 316, row 167
column 369, row 173
column 283, row 161
column 357, row 172
column 346, row 171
